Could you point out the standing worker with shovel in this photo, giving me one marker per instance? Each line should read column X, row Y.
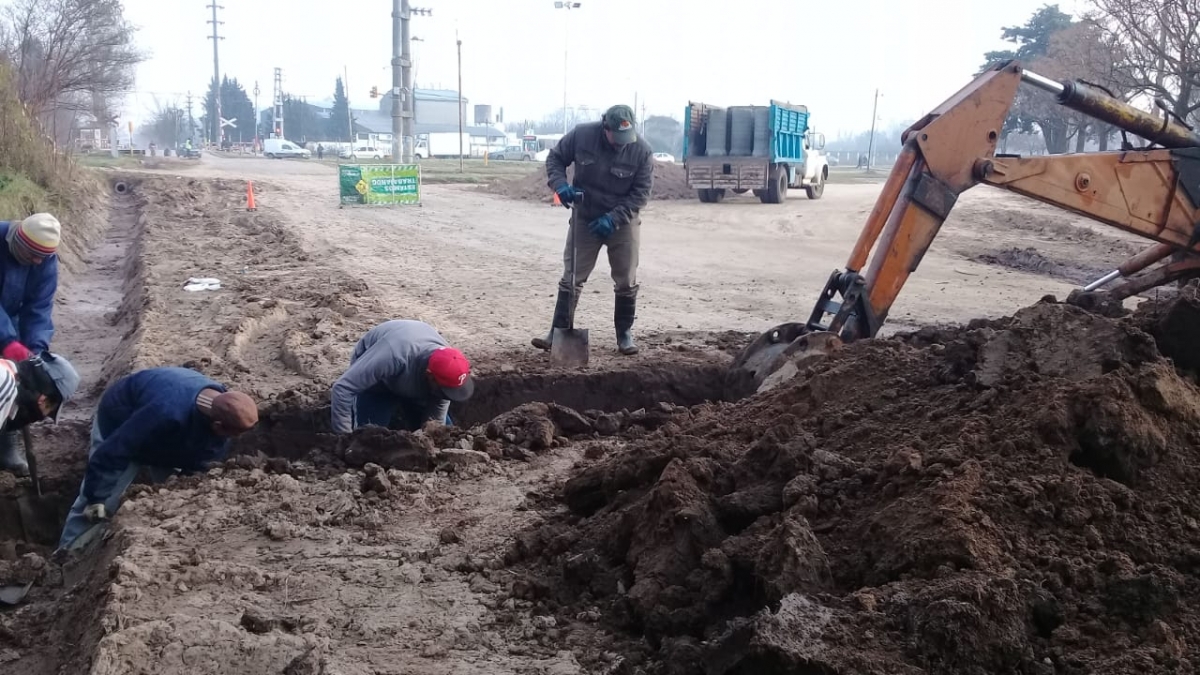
column 614, row 170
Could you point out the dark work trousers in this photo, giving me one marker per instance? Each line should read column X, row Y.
column 622, row 256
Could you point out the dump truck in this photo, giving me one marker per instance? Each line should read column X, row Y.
column 761, row 149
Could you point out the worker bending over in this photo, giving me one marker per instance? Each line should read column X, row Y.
column 165, row 419
column 402, row 374
column 614, row 171
column 28, row 282
column 33, row 389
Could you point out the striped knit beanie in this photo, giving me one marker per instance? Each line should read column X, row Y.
column 35, row 237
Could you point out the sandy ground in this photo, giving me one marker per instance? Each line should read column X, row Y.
column 484, row 269
column 335, row 575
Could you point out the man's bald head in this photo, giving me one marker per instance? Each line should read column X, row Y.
column 233, row 413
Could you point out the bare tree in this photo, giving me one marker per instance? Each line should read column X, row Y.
column 1161, row 39
column 168, row 125
column 69, row 53
column 1086, row 51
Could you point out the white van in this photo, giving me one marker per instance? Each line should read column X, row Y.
column 278, row 148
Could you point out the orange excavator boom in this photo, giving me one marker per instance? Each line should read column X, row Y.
column 1153, row 192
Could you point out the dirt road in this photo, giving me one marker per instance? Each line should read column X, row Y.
column 483, row 269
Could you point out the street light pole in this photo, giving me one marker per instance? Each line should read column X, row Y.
column 871, row 143
column 566, row 43
column 460, row 106
column 256, row 92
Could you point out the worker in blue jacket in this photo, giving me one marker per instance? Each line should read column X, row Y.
column 28, row 281
column 165, row 419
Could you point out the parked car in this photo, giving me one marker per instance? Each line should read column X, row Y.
column 665, row 157
column 513, row 152
column 362, row 152
column 278, row 148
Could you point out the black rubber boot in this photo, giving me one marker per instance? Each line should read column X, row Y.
column 562, row 318
column 12, row 454
column 623, row 314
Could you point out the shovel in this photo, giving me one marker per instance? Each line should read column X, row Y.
column 569, row 346
column 39, row 513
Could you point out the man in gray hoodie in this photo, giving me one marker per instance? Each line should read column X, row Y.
column 402, row 374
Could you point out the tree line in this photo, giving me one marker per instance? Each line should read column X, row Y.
column 1145, row 52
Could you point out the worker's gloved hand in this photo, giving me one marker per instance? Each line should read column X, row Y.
column 15, row 351
column 567, row 194
column 602, row 227
column 95, row 513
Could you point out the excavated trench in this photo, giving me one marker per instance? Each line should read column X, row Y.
column 303, row 431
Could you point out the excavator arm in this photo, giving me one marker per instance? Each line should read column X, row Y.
column 1154, row 193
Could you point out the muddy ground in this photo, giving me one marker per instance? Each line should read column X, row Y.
column 461, row 551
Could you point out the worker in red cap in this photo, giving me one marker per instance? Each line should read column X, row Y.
column 402, row 374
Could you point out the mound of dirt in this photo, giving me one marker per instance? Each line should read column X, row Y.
column 670, row 182
column 1019, row 495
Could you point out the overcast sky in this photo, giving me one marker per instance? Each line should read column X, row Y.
column 830, row 56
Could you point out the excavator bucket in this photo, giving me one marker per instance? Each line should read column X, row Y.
column 783, row 352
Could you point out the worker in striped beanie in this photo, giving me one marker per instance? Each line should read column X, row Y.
column 28, row 282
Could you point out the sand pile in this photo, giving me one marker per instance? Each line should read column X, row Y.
column 1019, row 495
column 670, row 182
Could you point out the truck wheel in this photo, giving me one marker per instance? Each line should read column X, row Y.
column 777, row 187
column 817, row 188
column 718, row 194
column 704, row 195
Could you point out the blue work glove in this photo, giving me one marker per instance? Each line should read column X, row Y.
column 567, row 194
column 602, row 227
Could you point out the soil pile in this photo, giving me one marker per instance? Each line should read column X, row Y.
column 670, row 182
column 1019, row 495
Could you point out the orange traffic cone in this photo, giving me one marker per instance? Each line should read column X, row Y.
column 250, row 196
column 557, row 201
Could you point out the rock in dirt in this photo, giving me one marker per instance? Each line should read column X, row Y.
column 389, row 449
column 457, row 457
column 535, row 425
column 1015, row 495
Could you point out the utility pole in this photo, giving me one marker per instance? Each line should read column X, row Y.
column 277, row 104
column 402, row 90
column 349, row 115
column 871, row 143
column 566, row 42
column 256, row 92
column 215, row 37
column 460, row 104
column 191, row 120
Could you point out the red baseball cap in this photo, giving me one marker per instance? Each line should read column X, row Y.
column 452, row 372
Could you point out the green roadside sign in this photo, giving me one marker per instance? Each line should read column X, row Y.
column 380, row 183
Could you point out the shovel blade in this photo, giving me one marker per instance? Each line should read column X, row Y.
column 569, row 347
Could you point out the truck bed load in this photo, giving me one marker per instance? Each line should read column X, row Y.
column 764, row 148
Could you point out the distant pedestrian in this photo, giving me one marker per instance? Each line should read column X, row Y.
column 320, row 151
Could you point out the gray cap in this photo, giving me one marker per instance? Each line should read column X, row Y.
column 619, row 120
column 66, row 380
